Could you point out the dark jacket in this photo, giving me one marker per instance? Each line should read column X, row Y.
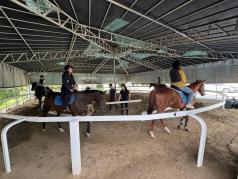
column 124, row 95
column 112, row 94
column 41, row 82
column 175, row 76
column 67, row 82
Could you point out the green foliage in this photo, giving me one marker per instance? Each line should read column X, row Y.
column 13, row 93
column 100, row 87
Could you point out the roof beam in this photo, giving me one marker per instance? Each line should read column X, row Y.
column 164, row 15
column 99, row 66
column 69, row 24
column 159, row 23
column 6, row 16
column 139, row 18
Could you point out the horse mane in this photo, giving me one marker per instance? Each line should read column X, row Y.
column 197, row 82
column 157, row 86
column 90, row 91
column 161, row 86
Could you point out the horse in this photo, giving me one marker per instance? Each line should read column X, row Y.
column 82, row 105
column 164, row 97
column 40, row 91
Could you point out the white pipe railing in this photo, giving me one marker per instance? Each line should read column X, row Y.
column 5, row 149
column 75, row 133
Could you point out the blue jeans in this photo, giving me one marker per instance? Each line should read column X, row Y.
column 188, row 92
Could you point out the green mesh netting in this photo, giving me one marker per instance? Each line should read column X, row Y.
column 193, row 53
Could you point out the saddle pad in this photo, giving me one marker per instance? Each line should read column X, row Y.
column 183, row 97
column 59, row 101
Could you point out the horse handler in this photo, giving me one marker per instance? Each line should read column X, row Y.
column 68, row 85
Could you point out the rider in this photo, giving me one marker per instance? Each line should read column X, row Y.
column 124, row 96
column 42, row 80
column 112, row 96
column 178, row 79
column 42, row 83
column 68, row 85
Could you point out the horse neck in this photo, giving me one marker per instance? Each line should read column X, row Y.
column 194, row 86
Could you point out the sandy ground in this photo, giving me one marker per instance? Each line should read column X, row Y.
column 124, row 150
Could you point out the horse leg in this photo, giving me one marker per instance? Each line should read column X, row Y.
column 59, row 125
column 151, row 130
column 164, row 126
column 88, row 130
column 180, row 123
column 44, row 115
column 40, row 102
column 186, row 124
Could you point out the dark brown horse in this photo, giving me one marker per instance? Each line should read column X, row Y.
column 80, row 106
column 163, row 97
column 40, row 91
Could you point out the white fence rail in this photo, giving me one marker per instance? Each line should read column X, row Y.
column 75, row 133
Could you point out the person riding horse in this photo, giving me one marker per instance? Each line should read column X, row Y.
column 68, row 85
column 42, row 80
column 179, row 80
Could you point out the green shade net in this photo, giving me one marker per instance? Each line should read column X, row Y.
column 43, row 5
column 115, row 25
column 194, row 53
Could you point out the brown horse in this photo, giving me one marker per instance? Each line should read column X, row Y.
column 82, row 105
column 163, row 97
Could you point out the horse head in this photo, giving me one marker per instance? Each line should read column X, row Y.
column 100, row 100
column 198, row 86
column 34, row 86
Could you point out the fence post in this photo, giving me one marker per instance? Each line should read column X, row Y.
column 203, row 137
column 75, row 147
column 5, row 150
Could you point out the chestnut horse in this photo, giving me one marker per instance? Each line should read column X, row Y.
column 82, row 105
column 163, row 97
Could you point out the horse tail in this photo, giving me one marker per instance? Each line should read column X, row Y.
column 151, row 102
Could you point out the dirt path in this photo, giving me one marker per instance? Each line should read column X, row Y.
column 124, row 150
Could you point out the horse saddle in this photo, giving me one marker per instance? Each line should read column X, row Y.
column 182, row 95
column 59, row 100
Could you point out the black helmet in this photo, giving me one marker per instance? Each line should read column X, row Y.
column 42, row 76
column 67, row 67
column 176, row 64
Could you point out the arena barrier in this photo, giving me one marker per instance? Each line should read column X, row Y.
column 75, row 132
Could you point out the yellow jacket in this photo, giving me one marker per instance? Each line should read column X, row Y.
column 183, row 77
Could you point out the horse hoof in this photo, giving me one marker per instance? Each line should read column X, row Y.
column 187, row 129
column 87, row 134
column 43, row 130
column 61, row 130
column 151, row 134
column 178, row 127
column 167, row 130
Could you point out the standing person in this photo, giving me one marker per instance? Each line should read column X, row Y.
column 178, row 79
column 42, row 80
column 124, row 96
column 68, row 85
column 112, row 96
column 159, row 81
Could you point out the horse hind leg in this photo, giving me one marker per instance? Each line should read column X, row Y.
column 186, row 124
column 88, row 130
column 44, row 115
column 164, row 126
column 151, row 130
column 180, row 125
column 59, row 125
